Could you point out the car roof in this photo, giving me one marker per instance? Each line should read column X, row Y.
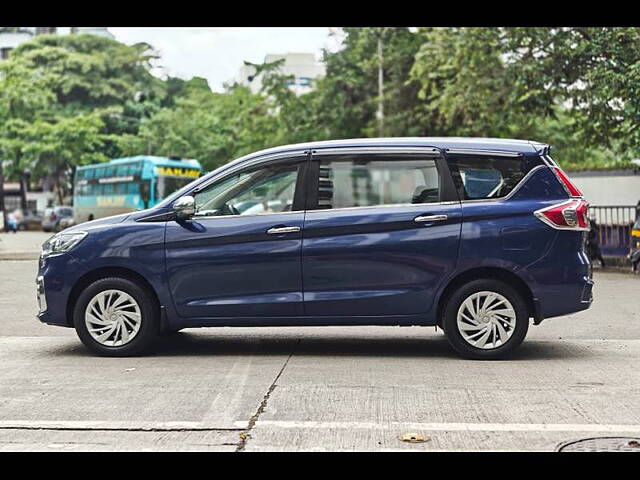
column 525, row 147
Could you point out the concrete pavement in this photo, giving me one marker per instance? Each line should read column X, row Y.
column 318, row 388
column 23, row 245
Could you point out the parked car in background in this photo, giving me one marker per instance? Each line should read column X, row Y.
column 66, row 222
column 53, row 216
column 477, row 236
column 31, row 220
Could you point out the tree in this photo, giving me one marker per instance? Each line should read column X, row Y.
column 511, row 81
column 211, row 127
column 54, row 147
column 64, row 99
column 347, row 98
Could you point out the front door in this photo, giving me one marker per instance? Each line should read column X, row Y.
column 239, row 255
column 381, row 233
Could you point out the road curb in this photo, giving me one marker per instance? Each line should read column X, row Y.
column 19, row 255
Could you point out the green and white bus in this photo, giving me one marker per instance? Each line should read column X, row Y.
column 128, row 184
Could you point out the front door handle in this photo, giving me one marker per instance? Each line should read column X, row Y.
column 430, row 218
column 280, row 230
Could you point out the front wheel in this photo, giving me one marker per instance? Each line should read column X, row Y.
column 115, row 317
column 485, row 319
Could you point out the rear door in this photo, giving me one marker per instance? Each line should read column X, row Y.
column 381, row 231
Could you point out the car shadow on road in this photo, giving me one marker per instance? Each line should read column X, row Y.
column 331, row 344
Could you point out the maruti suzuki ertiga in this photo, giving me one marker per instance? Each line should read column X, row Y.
column 478, row 236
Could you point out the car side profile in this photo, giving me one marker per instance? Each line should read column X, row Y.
column 478, row 236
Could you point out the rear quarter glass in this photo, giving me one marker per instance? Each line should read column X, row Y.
column 478, row 177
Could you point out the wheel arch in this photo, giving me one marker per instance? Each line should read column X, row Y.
column 104, row 272
column 493, row 273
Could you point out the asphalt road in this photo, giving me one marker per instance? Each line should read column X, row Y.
column 319, row 388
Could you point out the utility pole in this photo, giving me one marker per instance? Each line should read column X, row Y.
column 380, row 112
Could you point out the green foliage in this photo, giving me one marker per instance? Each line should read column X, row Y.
column 89, row 71
column 212, row 127
column 69, row 100
column 64, row 100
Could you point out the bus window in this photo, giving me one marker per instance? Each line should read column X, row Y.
column 165, row 186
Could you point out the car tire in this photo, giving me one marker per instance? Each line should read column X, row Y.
column 513, row 328
column 143, row 305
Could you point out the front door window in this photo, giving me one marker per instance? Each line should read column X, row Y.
column 260, row 191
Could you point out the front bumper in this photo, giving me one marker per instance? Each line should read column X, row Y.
column 40, row 293
column 56, row 277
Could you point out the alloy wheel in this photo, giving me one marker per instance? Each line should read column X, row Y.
column 113, row 318
column 486, row 320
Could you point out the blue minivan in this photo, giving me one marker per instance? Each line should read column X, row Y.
column 477, row 236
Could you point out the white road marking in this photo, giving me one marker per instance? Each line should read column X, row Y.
column 458, row 427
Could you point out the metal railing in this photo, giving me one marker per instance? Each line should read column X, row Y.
column 614, row 227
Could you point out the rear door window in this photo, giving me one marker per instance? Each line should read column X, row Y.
column 486, row 177
column 348, row 181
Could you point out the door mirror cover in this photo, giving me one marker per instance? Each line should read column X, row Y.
column 184, row 207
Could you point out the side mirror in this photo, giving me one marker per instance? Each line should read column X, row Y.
column 184, row 207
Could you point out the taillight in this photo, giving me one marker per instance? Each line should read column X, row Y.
column 572, row 190
column 53, row 217
column 571, row 215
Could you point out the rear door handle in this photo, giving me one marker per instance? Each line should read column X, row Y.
column 280, row 230
column 430, row 218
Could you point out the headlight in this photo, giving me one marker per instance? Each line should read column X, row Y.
column 61, row 242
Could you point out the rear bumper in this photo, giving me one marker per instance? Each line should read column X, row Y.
column 587, row 293
column 562, row 280
column 563, row 299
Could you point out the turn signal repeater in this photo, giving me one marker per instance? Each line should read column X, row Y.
column 568, row 215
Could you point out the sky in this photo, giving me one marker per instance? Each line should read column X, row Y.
column 217, row 53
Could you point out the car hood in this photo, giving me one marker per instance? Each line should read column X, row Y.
column 101, row 222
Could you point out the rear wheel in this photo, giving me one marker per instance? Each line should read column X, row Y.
column 485, row 319
column 116, row 317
